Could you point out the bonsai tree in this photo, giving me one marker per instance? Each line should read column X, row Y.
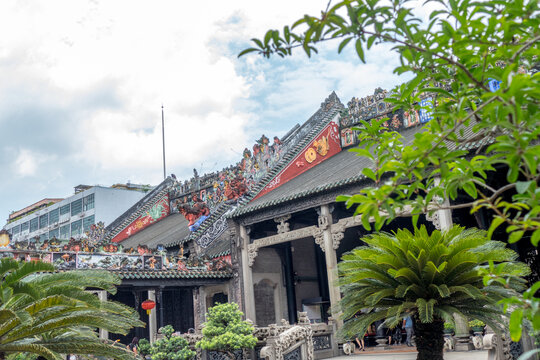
column 428, row 277
column 448, row 327
column 144, row 347
column 171, row 347
column 225, row 331
column 477, row 325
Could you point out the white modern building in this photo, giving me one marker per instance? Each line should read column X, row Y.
column 73, row 216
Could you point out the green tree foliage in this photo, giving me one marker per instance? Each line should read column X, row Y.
column 144, row 347
column 225, row 331
column 429, row 277
column 452, row 57
column 49, row 313
column 171, row 347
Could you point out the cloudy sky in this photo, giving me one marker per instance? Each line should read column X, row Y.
column 82, row 84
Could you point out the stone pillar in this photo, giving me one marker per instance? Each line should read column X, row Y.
column 442, row 220
column 203, row 304
column 247, row 275
column 102, row 295
column 152, row 321
column 331, row 262
column 331, row 270
column 196, row 308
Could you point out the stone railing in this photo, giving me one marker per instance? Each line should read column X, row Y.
column 295, row 343
column 302, row 341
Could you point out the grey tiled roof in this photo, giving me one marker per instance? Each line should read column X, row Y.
column 173, row 274
column 344, row 168
column 220, row 247
column 171, row 229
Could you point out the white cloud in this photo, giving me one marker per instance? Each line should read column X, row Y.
column 83, row 82
column 27, row 162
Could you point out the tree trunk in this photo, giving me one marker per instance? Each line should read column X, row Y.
column 429, row 339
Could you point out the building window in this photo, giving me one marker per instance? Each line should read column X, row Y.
column 76, row 207
column 64, row 232
column 43, row 237
column 16, row 229
column 87, row 222
column 43, row 221
column 54, row 233
column 24, row 226
column 76, row 228
column 88, row 202
column 34, row 224
column 64, row 210
column 54, row 215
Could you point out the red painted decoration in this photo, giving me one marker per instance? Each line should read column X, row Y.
column 157, row 212
column 148, row 305
column 323, row 147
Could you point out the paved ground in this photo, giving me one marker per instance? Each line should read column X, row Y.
column 453, row 355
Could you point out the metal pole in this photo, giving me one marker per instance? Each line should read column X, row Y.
column 163, row 137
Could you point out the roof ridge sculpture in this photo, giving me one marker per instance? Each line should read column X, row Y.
column 332, row 102
column 249, row 175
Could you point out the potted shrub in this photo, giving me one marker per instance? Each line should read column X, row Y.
column 225, row 331
column 448, row 327
column 171, row 347
column 144, row 348
column 477, row 325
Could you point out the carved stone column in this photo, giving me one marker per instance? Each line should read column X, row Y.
column 247, row 275
column 152, row 320
column 442, row 220
column 196, row 308
column 331, row 260
column 102, row 295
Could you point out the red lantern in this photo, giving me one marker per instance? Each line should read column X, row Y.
column 148, row 305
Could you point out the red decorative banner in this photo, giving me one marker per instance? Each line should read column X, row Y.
column 323, row 147
column 157, row 212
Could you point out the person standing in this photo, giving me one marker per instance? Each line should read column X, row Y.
column 408, row 324
column 134, row 345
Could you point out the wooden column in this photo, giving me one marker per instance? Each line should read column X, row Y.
column 247, row 275
column 331, row 263
column 152, row 321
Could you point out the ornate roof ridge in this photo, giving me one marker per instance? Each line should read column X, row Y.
column 206, row 224
column 336, row 106
column 318, row 189
column 136, row 210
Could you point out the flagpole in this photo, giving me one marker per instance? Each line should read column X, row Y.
column 163, row 138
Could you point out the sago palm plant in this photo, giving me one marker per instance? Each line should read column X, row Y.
column 52, row 313
column 429, row 277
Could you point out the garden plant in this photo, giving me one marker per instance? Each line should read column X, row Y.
column 224, row 331
column 430, row 277
column 170, row 347
column 50, row 314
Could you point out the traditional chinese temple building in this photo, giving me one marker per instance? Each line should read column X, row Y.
column 266, row 232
